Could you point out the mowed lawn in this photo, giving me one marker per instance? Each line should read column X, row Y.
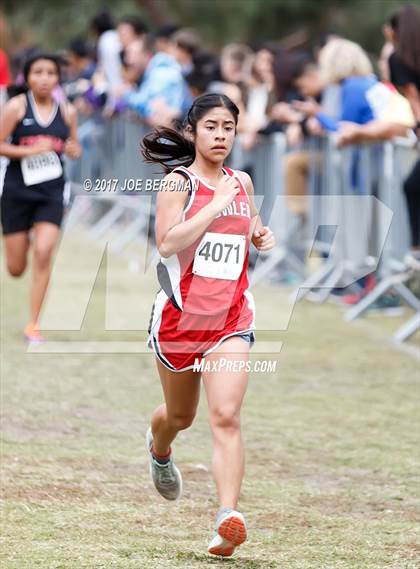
column 332, row 441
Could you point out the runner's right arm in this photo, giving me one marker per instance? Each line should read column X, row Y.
column 13, row 113
column 173, row 234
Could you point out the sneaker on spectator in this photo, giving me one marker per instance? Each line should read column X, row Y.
column 388, row 304
column 355, row 298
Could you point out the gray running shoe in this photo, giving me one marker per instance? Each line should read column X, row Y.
column 166, row 477
column 229, row 532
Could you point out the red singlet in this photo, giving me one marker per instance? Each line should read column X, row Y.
column 203, row 297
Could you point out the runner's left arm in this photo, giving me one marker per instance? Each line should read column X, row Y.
column 72, row 147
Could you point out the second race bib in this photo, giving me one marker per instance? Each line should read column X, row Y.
column 41, row 168
column 220, row 256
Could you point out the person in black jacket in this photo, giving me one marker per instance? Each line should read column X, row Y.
column 404, row 66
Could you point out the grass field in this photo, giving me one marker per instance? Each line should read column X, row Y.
column 332, row 446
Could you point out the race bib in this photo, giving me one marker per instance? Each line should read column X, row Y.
column 41, row 168
column 220, row 256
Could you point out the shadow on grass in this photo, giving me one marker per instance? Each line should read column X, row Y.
column 242, row 562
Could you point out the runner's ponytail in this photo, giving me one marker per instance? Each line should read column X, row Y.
column 169, row 148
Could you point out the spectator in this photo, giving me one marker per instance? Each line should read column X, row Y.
column 80, row 63
column 404, row 62
column 282, row 91
column 345, row 63
column 134, row 63
column 163, row 93
column 130, row 29
column 108, row 49
column 392, row 114
column 164, row 38
column 383, row 62
column 363, row 98
column 233, row 63
column 259, row 84
column 80, row 69
column 232, row 78
column 260, row 87
column 263, row 66
column 306, row 79
column 186, row 44
column 282, row 70
column 203, row 73
column 405, row 74
column 4, row 70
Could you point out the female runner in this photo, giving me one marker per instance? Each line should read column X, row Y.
column 40, row 130
column 203, row 309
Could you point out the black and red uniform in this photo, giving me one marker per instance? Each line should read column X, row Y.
column 33, row 188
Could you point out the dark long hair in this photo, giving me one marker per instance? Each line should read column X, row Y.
column 33, row 58
column 169, row 147
column 406, row 24
column 283, row 73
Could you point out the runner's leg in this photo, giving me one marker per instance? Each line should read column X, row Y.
column 225, row 391
column 182, row 393
column 16, row 250
column 45, row 238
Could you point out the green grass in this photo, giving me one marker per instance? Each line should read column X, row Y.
column 332, row 445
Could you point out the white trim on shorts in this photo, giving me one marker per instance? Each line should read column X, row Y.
column 155, row 346
column 153, row 341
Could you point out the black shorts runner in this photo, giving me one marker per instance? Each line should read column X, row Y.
column 18, row 214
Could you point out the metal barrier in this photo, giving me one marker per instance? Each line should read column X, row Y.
column 342, row 185
column 396, row 162
column 352, row 178
column 265, row 163
column 113, row 158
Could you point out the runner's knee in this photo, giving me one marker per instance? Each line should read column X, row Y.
column 225, row 417
column 181, row 422
column 16, row 269
column 42, row 256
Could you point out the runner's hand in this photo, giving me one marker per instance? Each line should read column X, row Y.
column 263, row 239
column 72, row 148
column 225, row 192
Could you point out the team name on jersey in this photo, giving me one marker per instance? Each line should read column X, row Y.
column 236, row 208
column 58, row 144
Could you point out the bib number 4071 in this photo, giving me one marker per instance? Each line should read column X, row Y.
column 220, row 256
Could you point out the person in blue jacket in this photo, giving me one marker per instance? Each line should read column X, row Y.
column 163, row 92
column 346, row 64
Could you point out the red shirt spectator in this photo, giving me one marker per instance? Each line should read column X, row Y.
column 4, row 69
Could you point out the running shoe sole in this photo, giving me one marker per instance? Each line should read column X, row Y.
column 220, row 546
column 233, row 529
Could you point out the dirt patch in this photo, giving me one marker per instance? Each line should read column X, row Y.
column 26, row 432
column 71, row 422
column 341, row 505
column 50, row 492
column 72, row 492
